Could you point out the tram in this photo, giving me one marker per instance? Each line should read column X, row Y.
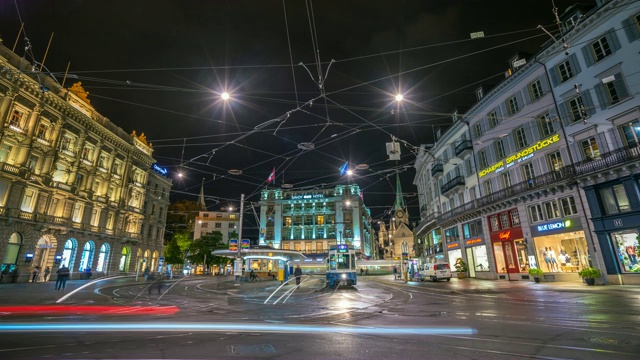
column 341, row 266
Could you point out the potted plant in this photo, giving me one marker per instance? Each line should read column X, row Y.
column 589, row 275
column 461, row 267
column 536, row 273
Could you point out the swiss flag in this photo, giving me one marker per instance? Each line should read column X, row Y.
column 272, row 176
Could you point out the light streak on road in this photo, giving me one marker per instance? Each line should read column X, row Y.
column 89, row 284
column 226, row 327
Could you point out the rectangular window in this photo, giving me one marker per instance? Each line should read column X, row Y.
column 17, row 119
column 95, row 216
column 577, row 111
column 565, row 71
column 27, row 200
column 521, row 137
column 42, row 131
column 506, row 179
column 504, row 221
column 320, row 220
column 495, row 226
column 590, row 149
column 515, row 217
column 535, row 90
column 492, row 117
column 110, row 221
column 535, row 213
column 555, row 161
column 601, row 48
column 614, row 199
column 568, row 206
column 287, row 221
column 482, row 158
column 528, row 173
column 545, row 124
column 204, row 225
column 512, row 105
column 218, row 225
column 551, row 209
column 77, row 212
column 477, row 130
column 499, row 146
column 630, row 133
column 488, row 187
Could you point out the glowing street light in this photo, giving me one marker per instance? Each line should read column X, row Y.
column 349, row 172
column 225, row 96
column 399, row 97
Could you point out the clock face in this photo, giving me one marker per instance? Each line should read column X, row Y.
column 400, row 213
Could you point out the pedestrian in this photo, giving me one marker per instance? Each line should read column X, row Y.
column 298, row 273
column 252, row 276
column 34, row 274
column 63, row 276
column 15, row 274
column 47, row 271
column 88, row 273
column 395, row 272
column 270, row 274
column 361, row 271
column 145, row 274
column 4, row 272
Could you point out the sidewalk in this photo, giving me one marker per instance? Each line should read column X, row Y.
column 480, row 286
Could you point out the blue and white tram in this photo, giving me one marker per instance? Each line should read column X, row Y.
column 341, row 266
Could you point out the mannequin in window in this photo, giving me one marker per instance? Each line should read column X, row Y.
column 547, row 259
column 554, row 259
column 631, row 251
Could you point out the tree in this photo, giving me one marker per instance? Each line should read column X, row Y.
column 173, row 254
column 181, row 217
column 204, row 246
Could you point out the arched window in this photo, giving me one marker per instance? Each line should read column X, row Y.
column 124, row 259
column 68, row 253
column 87, row 256
column 154, row 262
column 103, row 257
column 13, row 248
column 147, row 260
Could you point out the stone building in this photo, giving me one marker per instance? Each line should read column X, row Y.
column 72, row 184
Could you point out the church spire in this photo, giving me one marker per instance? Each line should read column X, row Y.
column 201, row 199
column 399, row 199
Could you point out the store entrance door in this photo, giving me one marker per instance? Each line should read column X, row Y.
column 506, row 260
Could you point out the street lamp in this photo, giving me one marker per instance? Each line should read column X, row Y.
column 225, row 96
column 399, row 97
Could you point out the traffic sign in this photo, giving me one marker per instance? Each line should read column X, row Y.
column 161, row 261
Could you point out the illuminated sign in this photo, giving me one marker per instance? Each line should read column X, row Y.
column 523, row 155
column 504, row 235
column 555, row 225
column 160, row 170
column 343, row 248
column 245, row 244
column 233, row 244
column 473, row 241
column 307, row 196
column 453, row 245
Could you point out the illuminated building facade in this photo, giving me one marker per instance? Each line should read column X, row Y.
column 310, row 221
column 72, row 184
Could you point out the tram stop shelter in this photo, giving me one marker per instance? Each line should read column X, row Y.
column 264, row 260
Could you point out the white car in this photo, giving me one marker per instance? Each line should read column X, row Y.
column 435, row 272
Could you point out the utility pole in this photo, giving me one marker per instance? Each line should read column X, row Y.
column 237, row 268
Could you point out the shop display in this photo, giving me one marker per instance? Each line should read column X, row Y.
column 565, row 252
column 627, row 244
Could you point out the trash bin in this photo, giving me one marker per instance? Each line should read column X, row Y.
column 281, row 275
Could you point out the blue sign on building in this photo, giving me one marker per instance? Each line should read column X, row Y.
column 555, row 225
column 160, row 170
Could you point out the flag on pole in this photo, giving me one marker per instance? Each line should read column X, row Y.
column 272, row 177
column 344, row 168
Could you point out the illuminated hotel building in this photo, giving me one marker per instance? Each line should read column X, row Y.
column 310, row 221
column 72, row 184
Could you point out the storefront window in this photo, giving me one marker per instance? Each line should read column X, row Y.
column 562, row 252
column 627, row 244
column 480, row 259
column 521, row 251
column 454, row 255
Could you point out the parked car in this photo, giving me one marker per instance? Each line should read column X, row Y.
column 435, row 272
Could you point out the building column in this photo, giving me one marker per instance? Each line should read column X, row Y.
column 25, row 145
column 7, row 100
column 74, row 167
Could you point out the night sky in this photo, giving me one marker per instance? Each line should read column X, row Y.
column 159, row 67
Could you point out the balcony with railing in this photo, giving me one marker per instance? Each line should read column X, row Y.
column 464, row 148
column 436, row 170
column 452, row 184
